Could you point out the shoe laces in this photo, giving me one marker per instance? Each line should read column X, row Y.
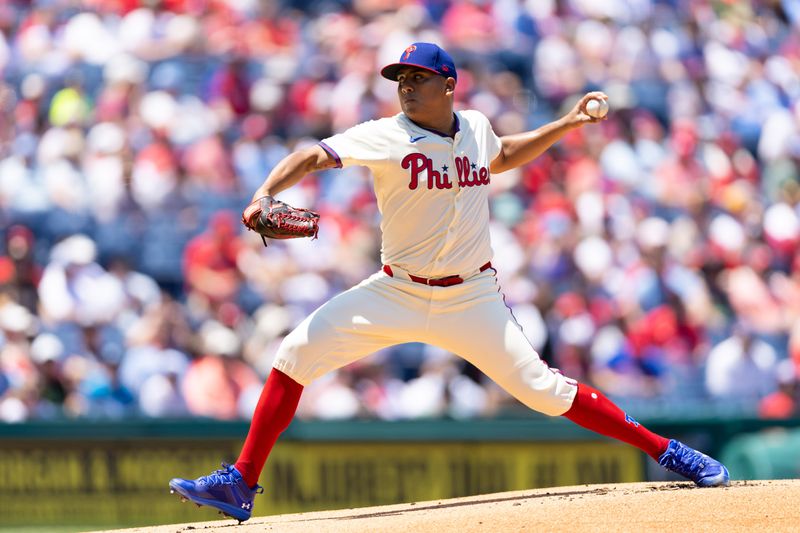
column 685, row 461
column 223, row 476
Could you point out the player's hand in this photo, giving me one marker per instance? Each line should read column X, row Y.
column 578, row 115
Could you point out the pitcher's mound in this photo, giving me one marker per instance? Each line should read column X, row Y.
column 745, row 506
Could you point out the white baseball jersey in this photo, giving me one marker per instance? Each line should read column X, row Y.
column 431, row 189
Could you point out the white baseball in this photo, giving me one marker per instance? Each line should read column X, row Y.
column 596, row 108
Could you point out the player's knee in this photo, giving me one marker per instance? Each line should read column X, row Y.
column 545, row 390
column 549, row 405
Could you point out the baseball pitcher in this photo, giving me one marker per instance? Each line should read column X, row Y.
column 432, row 169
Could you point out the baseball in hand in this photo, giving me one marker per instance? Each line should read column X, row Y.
column 596, row 108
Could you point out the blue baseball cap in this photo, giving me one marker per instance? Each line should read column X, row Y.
column 426, row 56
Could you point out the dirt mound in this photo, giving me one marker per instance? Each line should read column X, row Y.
column 744, row 506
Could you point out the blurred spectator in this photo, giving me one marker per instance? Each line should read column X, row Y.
column 17, row 325
column 784, row 402
column 230, row 86
column 741, row 367
column 210, row 267
column 69, row 106
column 333, row 398
column 216, row 383
column 19, row 273
column 140, row 290
column 155, row 173
column 156, row 358
column 75, row 288
column 47, row 350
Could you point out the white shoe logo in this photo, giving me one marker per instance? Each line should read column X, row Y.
column 247, row 505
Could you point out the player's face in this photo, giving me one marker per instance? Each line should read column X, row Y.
column 423, row 93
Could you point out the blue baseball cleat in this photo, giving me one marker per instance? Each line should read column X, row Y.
column 223, row 489
column 700, row 468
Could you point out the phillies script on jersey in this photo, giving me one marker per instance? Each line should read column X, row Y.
column 469, row 175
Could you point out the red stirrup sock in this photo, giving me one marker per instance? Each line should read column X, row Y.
column 592, row 410
column 274, row 411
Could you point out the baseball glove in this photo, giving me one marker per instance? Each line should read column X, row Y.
column 274, row 219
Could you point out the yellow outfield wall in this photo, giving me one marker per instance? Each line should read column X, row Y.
column 115, row 482
column 76, row 476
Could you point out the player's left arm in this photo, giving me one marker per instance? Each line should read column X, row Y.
column 292, row 168
column 521, row 148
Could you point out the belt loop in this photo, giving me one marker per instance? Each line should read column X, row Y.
column 388, row 270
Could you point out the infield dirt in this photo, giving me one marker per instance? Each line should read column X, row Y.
column 745, row 506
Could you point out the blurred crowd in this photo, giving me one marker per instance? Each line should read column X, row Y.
column 654, row 255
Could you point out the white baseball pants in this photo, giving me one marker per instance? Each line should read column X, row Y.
column 470, row 320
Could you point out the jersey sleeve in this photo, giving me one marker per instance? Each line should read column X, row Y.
column 488, row 141
column 361, row 145
column 493, row 142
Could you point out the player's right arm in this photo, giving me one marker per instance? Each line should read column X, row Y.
column 293, row 168
column 522, row 148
